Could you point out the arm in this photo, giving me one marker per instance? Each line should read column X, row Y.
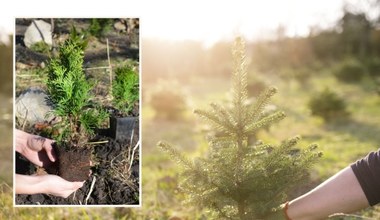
column 47, row 184
column 340, row 193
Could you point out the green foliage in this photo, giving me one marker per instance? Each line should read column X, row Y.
column 80, row 39
column 302, row 75
column 355, row 34
column 328, row 105
column 100, row 26
column 237, row 180
column 125, row 89
column 168, row 101
column 40, row 47
column 70, row 93
column 350, row 70
column 6, row 67
column 373, row 67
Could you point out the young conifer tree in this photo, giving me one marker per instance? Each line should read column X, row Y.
column 70, row 92
column 238, row 180
column 125, row 89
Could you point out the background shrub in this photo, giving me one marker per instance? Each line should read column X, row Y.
column 168, row 101
column 350, row 70
column 40, row 47
column 100, row 26
column 328, row 105
column 255, row 86
column 373, row 66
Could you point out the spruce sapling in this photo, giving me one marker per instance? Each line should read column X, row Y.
column 237, row 180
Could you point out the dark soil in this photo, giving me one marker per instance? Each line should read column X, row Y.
column 73, row 162
column 109, row 189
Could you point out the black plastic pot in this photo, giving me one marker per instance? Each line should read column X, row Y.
column 122, row 128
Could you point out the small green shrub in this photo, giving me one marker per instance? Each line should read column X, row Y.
column 80, row 38
column 70, row 93
column 168, row 101
column 328, row 105
column 350, row 70
column 125, row 89
column 373, row 66
column 40, row 47
column 302, row 75
column 100, row 26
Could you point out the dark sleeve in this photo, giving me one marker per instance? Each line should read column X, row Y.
column 367, row 171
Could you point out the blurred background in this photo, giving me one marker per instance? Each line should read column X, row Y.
column 6, row 89
column 324, row 57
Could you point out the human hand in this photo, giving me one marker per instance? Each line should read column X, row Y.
column 57, row 186
column 47, row 184
column 36, row 149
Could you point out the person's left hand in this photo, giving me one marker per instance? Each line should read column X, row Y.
column 41, row 152
column 36, row 149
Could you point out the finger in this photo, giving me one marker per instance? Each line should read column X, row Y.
column 49, row 149
column 50, row 155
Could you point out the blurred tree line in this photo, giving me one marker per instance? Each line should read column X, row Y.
column 353, row 36
column 6, row 67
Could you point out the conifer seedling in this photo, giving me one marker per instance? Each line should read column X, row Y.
column 70, row 92
column 125, row 89
column 238, row 180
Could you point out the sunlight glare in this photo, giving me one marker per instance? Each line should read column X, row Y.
column 210, row 21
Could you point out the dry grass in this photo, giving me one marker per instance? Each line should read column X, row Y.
column 122, row 168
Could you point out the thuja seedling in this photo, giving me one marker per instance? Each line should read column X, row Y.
column 70, row 93
column 125, row 89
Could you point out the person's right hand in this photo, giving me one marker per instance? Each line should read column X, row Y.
column 57, row 186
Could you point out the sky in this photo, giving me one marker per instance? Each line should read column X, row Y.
column 202, row 20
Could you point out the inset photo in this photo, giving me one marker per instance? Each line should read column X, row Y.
column 77, row 112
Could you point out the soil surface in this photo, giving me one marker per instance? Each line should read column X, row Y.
column 112, row 185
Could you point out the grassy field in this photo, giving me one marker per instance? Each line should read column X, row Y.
column 342, row 142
